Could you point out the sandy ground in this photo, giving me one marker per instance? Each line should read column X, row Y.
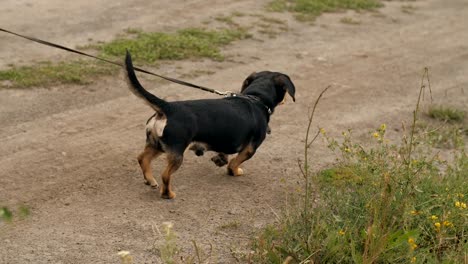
column 69, row 152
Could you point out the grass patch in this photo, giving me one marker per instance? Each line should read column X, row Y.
column 384, row 203
column 146, row 48
column 188, row 43
column 310, row 9
column 446, row 114
column 47, row 73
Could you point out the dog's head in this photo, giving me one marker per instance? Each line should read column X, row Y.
column 270, row 87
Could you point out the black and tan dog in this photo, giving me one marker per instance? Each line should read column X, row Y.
column 235, row 124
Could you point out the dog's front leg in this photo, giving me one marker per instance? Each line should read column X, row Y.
column 245, row 154
column 144, row 159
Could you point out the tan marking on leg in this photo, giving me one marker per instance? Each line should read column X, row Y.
column 144, row 159
column 174, row 161
column 245, row 154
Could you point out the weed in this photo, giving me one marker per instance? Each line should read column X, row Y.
column 168, row 249
column 385, row 203
column 169, row 252
column 6, row 214
column 446, row 113
column 310, row 9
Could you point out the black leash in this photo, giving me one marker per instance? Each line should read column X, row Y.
column 50, row 44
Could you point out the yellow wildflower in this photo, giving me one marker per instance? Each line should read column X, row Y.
column 347, row 149
column 376, row 135
column 457, row 204
column 414, row 212
column 413, row 260
column 412, row 243
column 383, row 127
column 448, row 223
column 322, row 131
column 434, row 217
column 341, row 232
column 437, row 225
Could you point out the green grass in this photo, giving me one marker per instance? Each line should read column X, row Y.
column 446, row 113
column 188, row 43
column 45, row 74
column 146, row 48
column 382, row 202
column 7, row 215
column 310, row 9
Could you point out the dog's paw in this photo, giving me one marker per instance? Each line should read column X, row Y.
column 235, row 172
column 220, row 160
column 153, row 185
column 168, row 195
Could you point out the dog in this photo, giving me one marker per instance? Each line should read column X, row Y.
column 234, row 124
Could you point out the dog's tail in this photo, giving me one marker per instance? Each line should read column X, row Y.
column 137, row 89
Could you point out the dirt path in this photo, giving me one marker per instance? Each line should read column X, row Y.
column 69, row 152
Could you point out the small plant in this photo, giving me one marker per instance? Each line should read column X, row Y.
column 168, row 249
column 125, row 257
column 7, row 215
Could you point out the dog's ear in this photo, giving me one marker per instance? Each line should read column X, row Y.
column 285, row 82
column 248, row 81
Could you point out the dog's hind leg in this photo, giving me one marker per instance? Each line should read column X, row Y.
column 174, row 161
column 144, row 159
column 245, row 154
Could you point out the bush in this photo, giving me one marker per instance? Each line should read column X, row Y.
column 388, row 203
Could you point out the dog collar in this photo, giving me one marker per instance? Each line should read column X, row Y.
column 252, row 98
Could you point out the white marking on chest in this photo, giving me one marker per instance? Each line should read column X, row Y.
column 156, row 125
